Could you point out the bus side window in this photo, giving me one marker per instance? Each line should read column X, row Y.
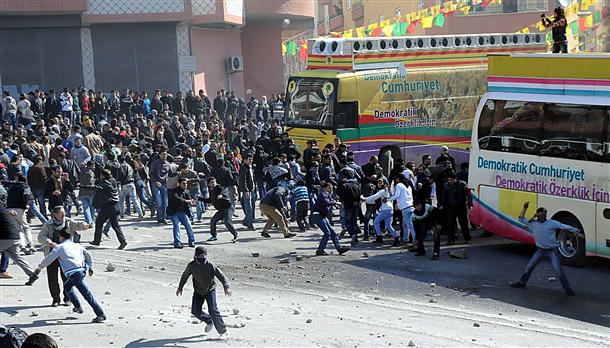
column 574, row 132
column 485, row 123
column 347, row 115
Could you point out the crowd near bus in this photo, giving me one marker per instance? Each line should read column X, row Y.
column 82, row 160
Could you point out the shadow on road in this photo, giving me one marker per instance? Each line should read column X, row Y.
column 489, row 269
column 173, row 342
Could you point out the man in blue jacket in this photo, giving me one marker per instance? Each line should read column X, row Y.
column 544, row 232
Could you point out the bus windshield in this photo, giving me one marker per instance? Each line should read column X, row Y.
column 545, row 129
column 310, row 102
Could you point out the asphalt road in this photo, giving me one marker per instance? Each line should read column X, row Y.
column 389, row 297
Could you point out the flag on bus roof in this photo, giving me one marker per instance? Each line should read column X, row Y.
column 426, row 22
column 439, row 21
column 360, row 32
column 388, row 29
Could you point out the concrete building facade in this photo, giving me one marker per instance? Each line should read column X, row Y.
column 146, row 44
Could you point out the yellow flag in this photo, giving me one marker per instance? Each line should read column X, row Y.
column 540, row 26
column 589, row 21
column 427, row 22
column 373, row 26
column 348, row 34
column 465, row 9
column 284, row 49
column 385, row 23
column 387, row 30
column 360, row 32
column 525, row 30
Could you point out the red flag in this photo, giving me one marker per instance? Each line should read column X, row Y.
column 485, row 3
column 376, row 32
column 303, row 52
column 605, row 12
column 449, row 13
column 582, row 26
column 411, row 28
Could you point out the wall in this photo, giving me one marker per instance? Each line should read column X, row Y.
column 212, row 47
column 135, row 56
column 262, row 59
column 45, row 57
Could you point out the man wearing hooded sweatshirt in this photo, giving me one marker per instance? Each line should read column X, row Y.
column 203, row 272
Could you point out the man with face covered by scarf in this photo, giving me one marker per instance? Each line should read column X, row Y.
column 203, row 272
column 49, row 238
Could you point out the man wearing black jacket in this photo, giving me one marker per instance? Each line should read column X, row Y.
column 57, row 189
column 247, row 190
column 106, row 199
column 126, row 177
column 349, row 191
column 179, row 212
column 71, row 168
column 224, row 208
column 454, row 205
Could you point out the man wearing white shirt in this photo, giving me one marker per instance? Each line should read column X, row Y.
column 403, row 195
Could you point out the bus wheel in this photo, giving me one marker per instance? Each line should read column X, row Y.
column 571, row 248
column 386, row 161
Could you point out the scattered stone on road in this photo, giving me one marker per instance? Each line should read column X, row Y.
column 255, row 254
column 110, row 267
column 235, row 311
column 296, row 311
column 162, row 268
column 286, row 260
column 107, row 292
column 458, row 254
column 552, row 279
column 476, row 325
column 411, row 344
column 300, row 257
column 365, row 254
column 324, row 298
column 308, row 321
column 34, row 314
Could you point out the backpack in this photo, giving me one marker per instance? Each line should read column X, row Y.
column 368, row 189
column 12, row 337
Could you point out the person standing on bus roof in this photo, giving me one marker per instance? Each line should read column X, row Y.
column 558, row 25
column 544, row 232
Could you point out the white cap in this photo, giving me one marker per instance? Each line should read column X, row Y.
column 444, row 148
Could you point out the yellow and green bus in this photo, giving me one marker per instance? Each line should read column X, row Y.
column 395, row 97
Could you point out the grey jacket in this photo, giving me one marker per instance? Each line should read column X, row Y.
column 45, row 236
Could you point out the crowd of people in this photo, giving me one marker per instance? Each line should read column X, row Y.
column 172, row 158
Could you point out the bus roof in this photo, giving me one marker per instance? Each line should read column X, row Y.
column 551, row 74
column 416, row 52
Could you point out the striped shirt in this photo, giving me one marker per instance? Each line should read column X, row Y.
column 299, row 193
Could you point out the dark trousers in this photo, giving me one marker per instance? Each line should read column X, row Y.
column 214, row 316
column 302, row 209
column 105, row 214
column 52, row 270
column 553, row 256
column 226, row 215
column 560, row 47
column 4, row 263
column 351, row 223
column 449, row 225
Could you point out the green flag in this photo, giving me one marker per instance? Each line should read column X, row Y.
column 439, row 21
column 291, row 48
column 403, row 27
column 574, row 27
column 396, row 29
column 597, row 16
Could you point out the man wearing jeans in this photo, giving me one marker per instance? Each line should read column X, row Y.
column 10, row 243
column 159, row 170
column 74, row 261
column 37, row 177
column 320, row 212
column 247, row 190
column 544, row 234
column 126, row 177
column 203, row 272
column 403, row 195
column 179, row 211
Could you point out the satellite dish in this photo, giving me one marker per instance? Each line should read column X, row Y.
column 565, row 3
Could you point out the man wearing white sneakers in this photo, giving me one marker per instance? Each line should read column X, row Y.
column 203, row 272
